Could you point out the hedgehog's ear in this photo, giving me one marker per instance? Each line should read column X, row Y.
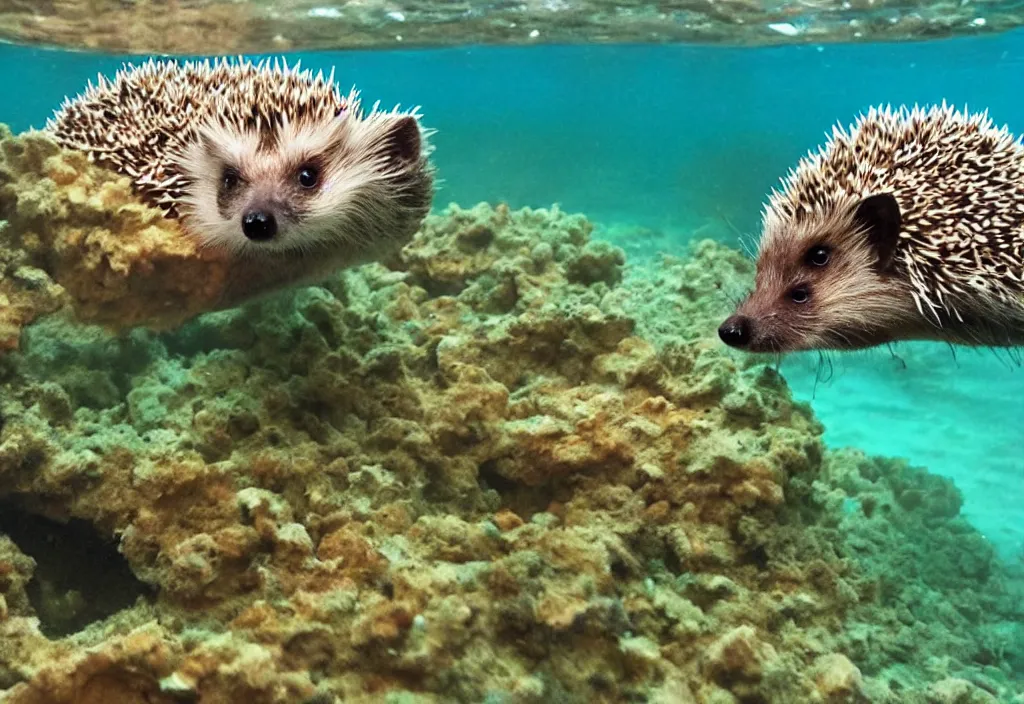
column 402, row 141
column 879, row 217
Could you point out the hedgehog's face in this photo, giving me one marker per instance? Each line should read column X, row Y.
column 825, row 282
column 299, row 187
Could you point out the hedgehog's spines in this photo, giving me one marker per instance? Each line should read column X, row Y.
column 959, row 238
column 158, row 105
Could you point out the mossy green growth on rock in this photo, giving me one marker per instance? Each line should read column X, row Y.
column 505, row 467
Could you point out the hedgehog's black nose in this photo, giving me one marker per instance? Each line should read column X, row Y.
column 735, row 331
column 259, row 225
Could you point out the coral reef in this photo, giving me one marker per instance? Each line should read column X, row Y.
column 506, row 468
column 76, row 235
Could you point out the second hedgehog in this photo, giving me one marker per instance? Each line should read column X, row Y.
column 909, row 226
column 265, row 162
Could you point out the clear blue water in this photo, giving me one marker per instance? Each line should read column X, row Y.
column 667, row 136
column 685, row 139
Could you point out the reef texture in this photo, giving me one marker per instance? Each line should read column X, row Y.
column 506, row 469
column 258, row 26
column 74, row 234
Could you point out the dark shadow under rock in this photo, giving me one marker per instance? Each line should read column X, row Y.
column 80, row 577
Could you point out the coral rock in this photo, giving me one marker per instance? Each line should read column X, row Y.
column 838, row 679
column 738, row 654
column 505, row 467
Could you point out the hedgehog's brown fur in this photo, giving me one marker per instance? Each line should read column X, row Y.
column 139, row 122
column 921, row 215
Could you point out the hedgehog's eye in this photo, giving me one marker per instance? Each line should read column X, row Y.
column 308, row 177
column 800, row 294
column 230, row 179
column 818, row 256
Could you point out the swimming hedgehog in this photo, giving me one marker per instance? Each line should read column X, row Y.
column 907, row 226
column 262, row 160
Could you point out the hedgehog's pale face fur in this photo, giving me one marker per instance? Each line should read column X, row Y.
column 322, row 184
column 909, row 226
column 827, row 282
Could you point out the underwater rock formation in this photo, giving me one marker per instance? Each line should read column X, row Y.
column 506, row 469
column 74, row 234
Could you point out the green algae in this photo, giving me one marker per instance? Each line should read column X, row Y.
column 507, row 467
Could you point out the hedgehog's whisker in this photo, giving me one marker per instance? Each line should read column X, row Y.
column 953, row 354
column 893, row 355
column 1013, row 356
column 825, row 362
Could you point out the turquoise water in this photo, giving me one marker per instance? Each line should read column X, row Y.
column 362, row 495
column 683, row 140
column 668, row 137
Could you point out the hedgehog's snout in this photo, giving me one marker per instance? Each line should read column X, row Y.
column 259, row 225
column 735, row 331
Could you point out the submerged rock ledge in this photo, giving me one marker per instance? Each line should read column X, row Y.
column 506, row 468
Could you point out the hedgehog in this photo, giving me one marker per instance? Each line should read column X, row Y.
column 908, row 225
column 260, row 160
